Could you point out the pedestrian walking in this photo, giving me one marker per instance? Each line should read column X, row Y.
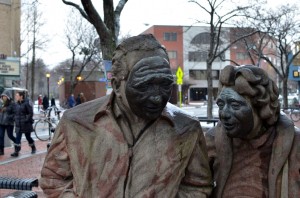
column 71, row 101
column 78, row 100
column 23, row 123
column 53, row 102
column 45, row 103
column 82, row 98
column 7, row 113
column 40, row 102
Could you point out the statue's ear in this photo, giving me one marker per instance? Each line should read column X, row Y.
column 116, row 84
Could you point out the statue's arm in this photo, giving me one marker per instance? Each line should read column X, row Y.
column 56, row 176
column 198, row 180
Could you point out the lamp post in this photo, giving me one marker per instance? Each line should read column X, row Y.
column 48, row 77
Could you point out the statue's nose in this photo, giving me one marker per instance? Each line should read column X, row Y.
column 156, row 99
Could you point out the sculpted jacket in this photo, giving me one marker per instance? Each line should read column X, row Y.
column 89, row 156
column 284, row 166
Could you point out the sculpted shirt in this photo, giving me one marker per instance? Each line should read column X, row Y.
column 90, row 157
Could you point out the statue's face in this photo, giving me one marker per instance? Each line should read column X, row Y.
column 149, row 87
column 236, row 114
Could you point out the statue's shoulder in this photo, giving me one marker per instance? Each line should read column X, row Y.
column 87, row 109
column 175, row 113
column 183, row 121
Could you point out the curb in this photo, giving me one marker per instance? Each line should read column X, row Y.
column 23, row 156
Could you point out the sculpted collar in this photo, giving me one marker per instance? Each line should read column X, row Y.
column 258, row 142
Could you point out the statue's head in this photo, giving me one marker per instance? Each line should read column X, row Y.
column 248, row 101
column 141, row 76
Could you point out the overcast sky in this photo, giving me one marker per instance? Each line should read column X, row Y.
column 136, row 17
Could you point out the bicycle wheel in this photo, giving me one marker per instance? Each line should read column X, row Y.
column 295, row 115
column 43, row 129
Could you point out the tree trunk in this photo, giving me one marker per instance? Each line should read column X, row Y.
column 285, row 91
column 209, row 90
column 108, row 46
column 33, row 69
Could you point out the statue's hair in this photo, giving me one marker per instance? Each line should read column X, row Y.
column 143, row 42
column 253, row 82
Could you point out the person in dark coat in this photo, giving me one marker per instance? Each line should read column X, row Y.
column 53, row 102
column 7, row 114
column 23, row 123
column 45, row 102
column 78, row 100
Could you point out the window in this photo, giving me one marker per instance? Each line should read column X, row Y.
column 198, row 56
column 172, row 54
column 202, row 38
column 202, row 74
column 170, row 36
column 241, row 56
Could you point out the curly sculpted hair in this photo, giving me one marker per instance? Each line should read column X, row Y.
column 253, row 82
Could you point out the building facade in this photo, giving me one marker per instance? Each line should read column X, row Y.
column 10, row 20
column 188, row 47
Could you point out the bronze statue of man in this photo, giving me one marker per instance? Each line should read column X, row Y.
column 254, row 150
column 132, row 143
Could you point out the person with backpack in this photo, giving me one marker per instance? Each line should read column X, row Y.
column 7, row 114
column 23, row 123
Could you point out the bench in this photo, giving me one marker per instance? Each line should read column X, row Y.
column 23, row 185
column 21, row 194
column 213, row 120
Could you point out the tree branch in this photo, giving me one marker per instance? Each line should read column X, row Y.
column 82, row 12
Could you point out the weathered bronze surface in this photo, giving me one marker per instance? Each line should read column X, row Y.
column 254, row 150
column 132, row 143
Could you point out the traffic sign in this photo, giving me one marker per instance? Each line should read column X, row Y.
column 179, row 75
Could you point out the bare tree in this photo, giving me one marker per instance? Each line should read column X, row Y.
column 107, row 29
column 80, row 40
column 32, row 39
column 279, row 27
column 219, row 16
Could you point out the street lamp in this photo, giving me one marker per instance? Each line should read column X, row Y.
column 48, row 77
column 79, row 78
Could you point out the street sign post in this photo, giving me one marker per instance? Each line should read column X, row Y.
column 179, row 81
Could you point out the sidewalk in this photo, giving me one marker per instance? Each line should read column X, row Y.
column 24, row 166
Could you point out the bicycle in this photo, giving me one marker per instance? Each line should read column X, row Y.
column 45, row 126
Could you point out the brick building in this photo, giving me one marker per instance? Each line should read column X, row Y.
column 187, row 48
column 10, row 20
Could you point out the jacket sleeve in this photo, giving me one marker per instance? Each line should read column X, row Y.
column 29, row 112
column 56, row 176
column 197, row 181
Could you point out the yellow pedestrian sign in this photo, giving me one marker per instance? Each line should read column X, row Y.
column 179, row 75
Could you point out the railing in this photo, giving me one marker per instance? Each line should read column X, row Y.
column 212, row 120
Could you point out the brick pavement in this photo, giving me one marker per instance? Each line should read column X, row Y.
column 24, row 166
